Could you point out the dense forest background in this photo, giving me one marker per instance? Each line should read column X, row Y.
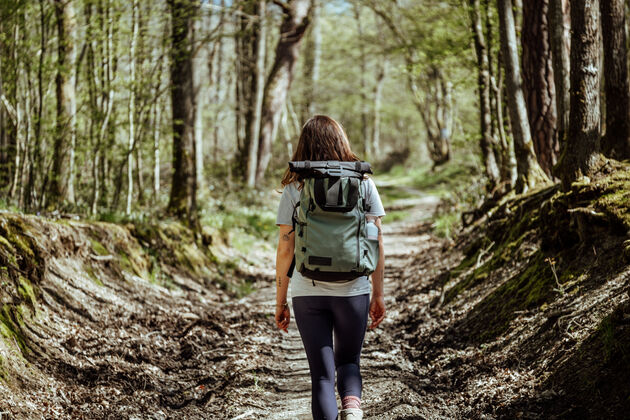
column 113, row 107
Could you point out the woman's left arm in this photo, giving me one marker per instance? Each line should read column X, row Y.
column 284, row 257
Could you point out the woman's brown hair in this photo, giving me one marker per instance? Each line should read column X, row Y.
column 322, row 138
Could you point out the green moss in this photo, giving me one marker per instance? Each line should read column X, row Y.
column 498, row 258
column 133, row 263
column 14, row 235
column 527, row 290
column 614, row 196
column 4, row 375
column 92, row 275
column 5, row 242
column 11, row 323
column 25, row 289
column 98, row 247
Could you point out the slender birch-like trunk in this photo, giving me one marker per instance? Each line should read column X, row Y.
column 132, row 103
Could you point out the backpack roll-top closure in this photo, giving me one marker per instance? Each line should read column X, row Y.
column 337, row 194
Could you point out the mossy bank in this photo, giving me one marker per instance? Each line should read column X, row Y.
column 536, row 290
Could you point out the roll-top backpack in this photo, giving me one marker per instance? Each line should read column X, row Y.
column 333, row 240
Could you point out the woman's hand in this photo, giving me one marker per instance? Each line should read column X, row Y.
column 283, row 316
column 377, row 311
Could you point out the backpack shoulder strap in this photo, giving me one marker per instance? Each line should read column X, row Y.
column 293, row 222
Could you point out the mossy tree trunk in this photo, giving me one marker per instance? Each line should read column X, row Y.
column 538, row 82
column 294, row 24
column 183, row 197
column 616, row 141
column 529, row 171
column 580, row 153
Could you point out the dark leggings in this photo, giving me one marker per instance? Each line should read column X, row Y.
column 317, row 317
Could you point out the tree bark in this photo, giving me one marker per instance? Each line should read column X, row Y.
column 378, row 95
column 294, row 24
column 538, row 82
column 560, row 25
column 183, row 200
column 57, row 191
column 312, row 60
column 529, row 172
column 200, row 57
column 616, row 141
column 132, row 104
column 219, row 84
column 580, row 153
column 365, row 128
column 486, row 141
column 157, row 131
column 255, row 112
column 8, row 98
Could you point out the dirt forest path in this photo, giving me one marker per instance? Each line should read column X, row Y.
column 281, row 389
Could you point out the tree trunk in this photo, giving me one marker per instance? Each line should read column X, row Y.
column 365, row 128
column 74, row 68
column 486, row 141
column 258, row 81
column 560, row 25
column 239, row 99
column 538, row 82
column 580, row 153
column 8, row 99
column 200, row 57
column 378, row 95
column 616, row 141
column 529, row 172
column 64, row 85
column 505, row 155
column 183, row 200
column 219, row 84
column 132, row 104
column 156, row 151
column 294, row 24
column 157, row 126
column 312, row 61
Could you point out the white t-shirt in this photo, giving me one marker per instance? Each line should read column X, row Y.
column 302, row 286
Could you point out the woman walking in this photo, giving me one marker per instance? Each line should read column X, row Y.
column 326, row 309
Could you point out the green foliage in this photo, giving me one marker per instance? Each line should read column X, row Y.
column 247, row 212
column 446, row 224
column 396, row 215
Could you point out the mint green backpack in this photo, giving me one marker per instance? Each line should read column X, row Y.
column 333, row 240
